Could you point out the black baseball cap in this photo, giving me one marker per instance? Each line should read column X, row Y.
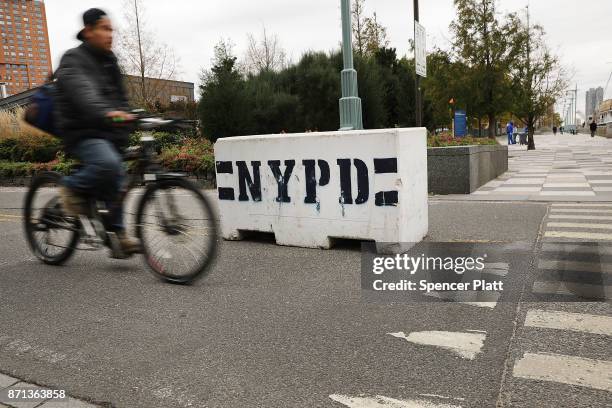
column 91, row 17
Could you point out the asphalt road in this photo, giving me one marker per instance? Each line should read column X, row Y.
column 276, row 327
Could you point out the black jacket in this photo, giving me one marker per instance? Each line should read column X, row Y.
column 89, row 85
column 593, row 126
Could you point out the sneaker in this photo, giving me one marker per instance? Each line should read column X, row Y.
column 129, row 246
column 73, row 204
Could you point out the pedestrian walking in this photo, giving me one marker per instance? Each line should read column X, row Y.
column 593, row 127
column 555, row 130
column 510, row 132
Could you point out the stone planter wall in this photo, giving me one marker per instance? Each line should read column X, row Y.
column 463, row 169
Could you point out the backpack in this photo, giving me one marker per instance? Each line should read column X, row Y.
column 40, row 111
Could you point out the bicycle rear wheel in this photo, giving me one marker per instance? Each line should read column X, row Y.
column 51, row 236
column 177, row 228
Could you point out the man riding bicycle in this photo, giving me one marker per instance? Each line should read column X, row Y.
column 91, row 97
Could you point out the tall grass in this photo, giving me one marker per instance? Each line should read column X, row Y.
column 12, row 126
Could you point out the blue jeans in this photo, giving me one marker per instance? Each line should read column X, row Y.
column 101, row 177
column 510, row 139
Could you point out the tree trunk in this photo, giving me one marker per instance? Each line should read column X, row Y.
column 492, row 125
column 530, row 132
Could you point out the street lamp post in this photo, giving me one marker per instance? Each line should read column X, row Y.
column 417, row 86
column 350, row 104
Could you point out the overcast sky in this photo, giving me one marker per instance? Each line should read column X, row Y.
column 579, row 30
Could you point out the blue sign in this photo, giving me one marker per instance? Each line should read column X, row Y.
column 460, row 123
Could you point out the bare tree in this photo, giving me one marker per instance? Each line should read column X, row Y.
column 359, row 26
column 141, row 55
column 265, row 54
column 368, row 34
column 376, row 35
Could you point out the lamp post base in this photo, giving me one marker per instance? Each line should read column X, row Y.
column 350, row 104
column 350, row 113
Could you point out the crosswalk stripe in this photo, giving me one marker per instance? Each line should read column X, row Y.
column 465, row 345
column 576, row 289
column 600, row 249
column 577, row 235
column 580, row 211
column 563, row 369
column 582, row 217
column 579, row 225
column 580, row 205
column 496, row 268
column 578, row 322
column 577, row 266
column 380, row 401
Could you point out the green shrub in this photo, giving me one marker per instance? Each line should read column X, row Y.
column 192, row 156
column 10, row 169
column 162, row 139
column 29, row 148
column 15, row 169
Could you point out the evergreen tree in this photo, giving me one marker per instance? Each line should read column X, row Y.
column 224, row 105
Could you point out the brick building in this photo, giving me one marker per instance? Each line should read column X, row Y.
column 159, row 90
column 25, row 60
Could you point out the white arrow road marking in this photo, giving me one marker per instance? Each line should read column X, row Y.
column 571, row 370
column 380, row 401
column 569, row 321
column 466, row 345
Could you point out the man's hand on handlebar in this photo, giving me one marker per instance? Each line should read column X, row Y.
column 118, row 117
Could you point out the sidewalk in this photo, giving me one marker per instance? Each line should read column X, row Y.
column 8, row 383
column 562, row 168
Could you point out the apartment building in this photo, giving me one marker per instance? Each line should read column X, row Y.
column 25, row 57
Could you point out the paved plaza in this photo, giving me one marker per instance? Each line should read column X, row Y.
column 562, row 168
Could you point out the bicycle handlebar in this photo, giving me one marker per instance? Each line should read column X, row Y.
column 145, row 121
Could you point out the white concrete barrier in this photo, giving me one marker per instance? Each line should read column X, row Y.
column 307, row 188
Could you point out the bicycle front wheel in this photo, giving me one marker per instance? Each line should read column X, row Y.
column 177, row 228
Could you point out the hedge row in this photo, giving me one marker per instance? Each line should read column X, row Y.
column 25, row 169
column 194, row 156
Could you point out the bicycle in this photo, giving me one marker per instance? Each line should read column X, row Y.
column 44, row 225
